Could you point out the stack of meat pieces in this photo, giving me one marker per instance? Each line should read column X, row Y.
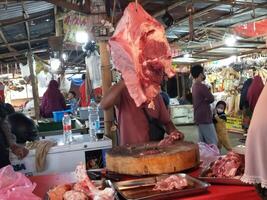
column 84, row 189
column 141, row 52
column 171, row 183
column 228, row 166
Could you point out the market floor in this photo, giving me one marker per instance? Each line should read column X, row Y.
column 191, row 134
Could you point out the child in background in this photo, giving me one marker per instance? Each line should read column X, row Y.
column 219, row 120
column 71, row 99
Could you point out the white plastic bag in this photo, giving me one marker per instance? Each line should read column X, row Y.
column 208, row 153
column 93, row 63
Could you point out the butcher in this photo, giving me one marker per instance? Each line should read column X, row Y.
column 132, row 120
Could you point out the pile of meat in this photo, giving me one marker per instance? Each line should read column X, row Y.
column 141, row 52
column 171, row 183
column 231, row 165
column 84, row 189
column 170, row 139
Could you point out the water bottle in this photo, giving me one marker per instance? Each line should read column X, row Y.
column 93, row 118
column 67, row 133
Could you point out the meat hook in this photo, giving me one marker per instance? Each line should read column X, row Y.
column 136, row 2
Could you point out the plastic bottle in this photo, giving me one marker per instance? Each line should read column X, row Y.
column 67, row 133
column 93, row 118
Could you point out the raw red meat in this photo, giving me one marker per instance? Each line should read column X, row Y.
column 228, row 166
column 170, row 139
column 170, row 183
column 89, row 188
column 140, row 51
column 75, row 195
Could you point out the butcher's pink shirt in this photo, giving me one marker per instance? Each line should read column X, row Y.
column 133, row 124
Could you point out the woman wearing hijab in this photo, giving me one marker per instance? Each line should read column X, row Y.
column 256, row 148
column 254, row 92
column 52, row 100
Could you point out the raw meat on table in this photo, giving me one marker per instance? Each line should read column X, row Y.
column 170, row 139
column 228, row 166
column 84, row 189
column 171, row 183
column 141, row 52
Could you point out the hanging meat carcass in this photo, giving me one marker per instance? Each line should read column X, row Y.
column 140, row 51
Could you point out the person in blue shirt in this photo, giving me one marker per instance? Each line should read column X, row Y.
column 71, row 99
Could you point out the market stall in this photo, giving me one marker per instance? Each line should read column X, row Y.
column 133, row 46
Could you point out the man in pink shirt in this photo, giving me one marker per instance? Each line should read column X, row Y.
column 133, row 123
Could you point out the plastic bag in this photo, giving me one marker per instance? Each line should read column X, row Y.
column 208, row 153
column 15, row 185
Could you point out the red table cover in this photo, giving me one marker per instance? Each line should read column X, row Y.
column 215, row 192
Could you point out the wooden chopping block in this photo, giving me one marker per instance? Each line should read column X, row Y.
column 150, row 158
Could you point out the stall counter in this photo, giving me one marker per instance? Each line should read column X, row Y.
column 215, row 192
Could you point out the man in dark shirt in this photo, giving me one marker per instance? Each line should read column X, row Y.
column 202, row 98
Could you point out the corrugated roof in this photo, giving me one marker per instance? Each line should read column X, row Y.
column 14, row 10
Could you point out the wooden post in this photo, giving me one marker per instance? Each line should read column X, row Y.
column 35, row 92
column 106, row 83
column 178, row 85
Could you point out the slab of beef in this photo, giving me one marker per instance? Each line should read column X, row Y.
column 140, row 51
column 228, row 166
column 171, row 183
column 170, row 139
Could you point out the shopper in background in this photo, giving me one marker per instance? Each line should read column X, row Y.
column 84, row 102
column 244, row 104
column 52, row 100
column 8, row 140
column 256, row 148
column 254, row 92
column 202, row 98
column 219, row 120
column 71, row 99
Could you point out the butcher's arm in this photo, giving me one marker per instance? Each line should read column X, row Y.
column 170, row 128
column 112, row 97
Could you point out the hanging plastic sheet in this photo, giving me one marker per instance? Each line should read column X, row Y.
column 94, row 65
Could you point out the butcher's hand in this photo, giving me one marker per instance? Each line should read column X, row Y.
column 19, row 151
column 177, row 135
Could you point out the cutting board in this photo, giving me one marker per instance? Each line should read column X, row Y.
column 149, row 159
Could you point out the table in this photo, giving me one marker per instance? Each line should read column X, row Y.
column 215, row 192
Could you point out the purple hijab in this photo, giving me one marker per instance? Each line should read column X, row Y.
column 52, row 100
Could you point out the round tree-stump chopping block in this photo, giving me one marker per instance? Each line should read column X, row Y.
column 152, row 159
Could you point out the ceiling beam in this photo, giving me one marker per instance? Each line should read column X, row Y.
column 163, row 11
column 25, row 14
column 197, row 14
column 17, row 53
column 24, row 41
column 11, row 49
column 237, row 3
column 71, row 6
column 19, row 20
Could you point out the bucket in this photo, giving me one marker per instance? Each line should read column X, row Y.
column 58, row 115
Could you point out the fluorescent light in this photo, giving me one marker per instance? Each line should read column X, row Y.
column 82, row 37
column 230, row 41
column 64, row 56
column 55, row 64
column 187, row 55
